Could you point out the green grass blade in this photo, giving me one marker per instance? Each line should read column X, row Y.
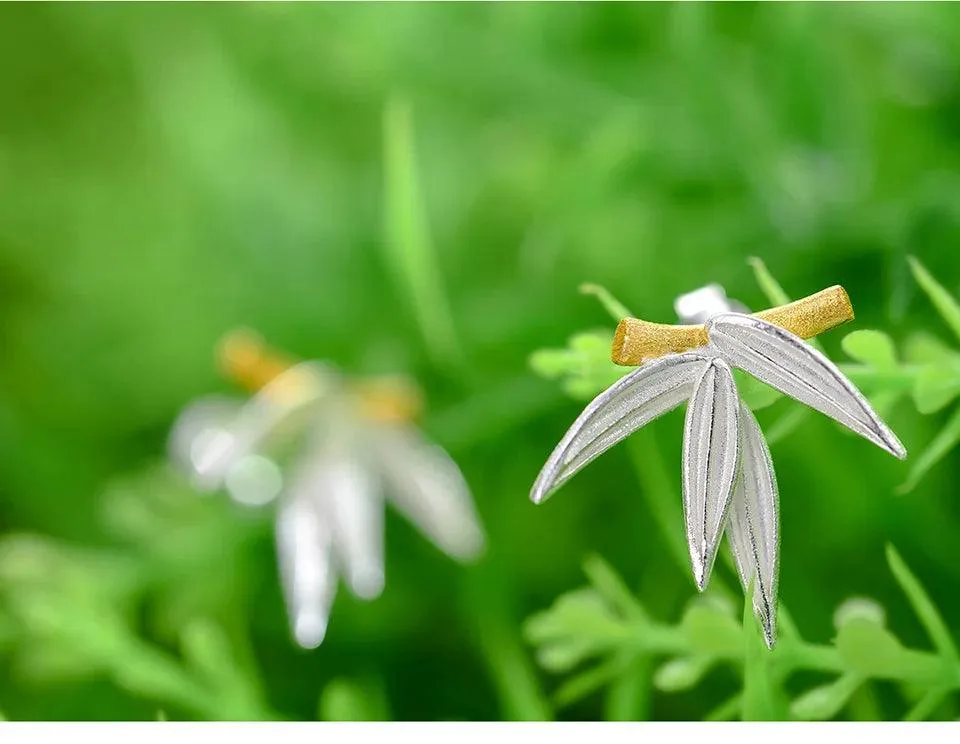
column 726, row 711
column 942, row 300
column 922, row 605
column 408, row 244
column 926, row 705
column 772, row 290
column 511, row 670
column 768, row 285
column 611, row 304
column 946, row 440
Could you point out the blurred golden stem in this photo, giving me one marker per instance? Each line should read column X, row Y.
column 247, row 361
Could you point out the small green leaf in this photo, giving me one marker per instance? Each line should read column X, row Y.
column 611, row 587
column 682, row 674
column 584, row 366
column 859, row 608
column 553, row 363
column 942, row 300
column 562, row 656
column 922, row 605
column 935, row 388
column 768, row 285
column 587, row 682
column 711, row 631
column 869, row 648
column 923, row 348
column 611, row 304
column 870, row 347
column 161, row 716
column 349, row 701
column 941, row 445
column 824, row 702
column 577, row 614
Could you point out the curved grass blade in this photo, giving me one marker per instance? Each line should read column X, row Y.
column 943, row 442
column 785, row 362
column 711, row 457
column 942, row 300
column 753, row 526
column 408, row 242
column 926, row 610
column 633, row 401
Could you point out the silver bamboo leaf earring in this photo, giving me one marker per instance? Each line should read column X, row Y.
column 351, row 446
column 729, row 484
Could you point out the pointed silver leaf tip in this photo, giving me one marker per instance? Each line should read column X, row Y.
column 785, row 362
column 630, row 403
column 769, row 634
column 753, row 527
column 699, row 575
column 711, row 458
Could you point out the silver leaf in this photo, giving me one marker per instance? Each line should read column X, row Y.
column 711, row 457
column 753, row 526
column 785, row 362
column 633, row 401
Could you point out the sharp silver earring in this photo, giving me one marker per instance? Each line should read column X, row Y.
column 729, row 484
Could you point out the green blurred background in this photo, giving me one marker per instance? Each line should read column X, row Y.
column 170, row 172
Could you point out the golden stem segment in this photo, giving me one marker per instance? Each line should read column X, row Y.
column 637, row 341
column 248, row 362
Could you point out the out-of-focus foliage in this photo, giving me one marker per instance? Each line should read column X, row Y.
column 605, row 621
column 422, row 188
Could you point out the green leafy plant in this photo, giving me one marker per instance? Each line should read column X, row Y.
column 596, row 633
column 73, row 613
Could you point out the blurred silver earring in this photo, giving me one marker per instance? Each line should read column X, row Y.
column 347, row 447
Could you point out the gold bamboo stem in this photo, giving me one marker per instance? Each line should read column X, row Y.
column 637, row 341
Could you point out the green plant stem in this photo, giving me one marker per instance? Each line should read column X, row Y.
column 926, row 705
column 628, row 698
